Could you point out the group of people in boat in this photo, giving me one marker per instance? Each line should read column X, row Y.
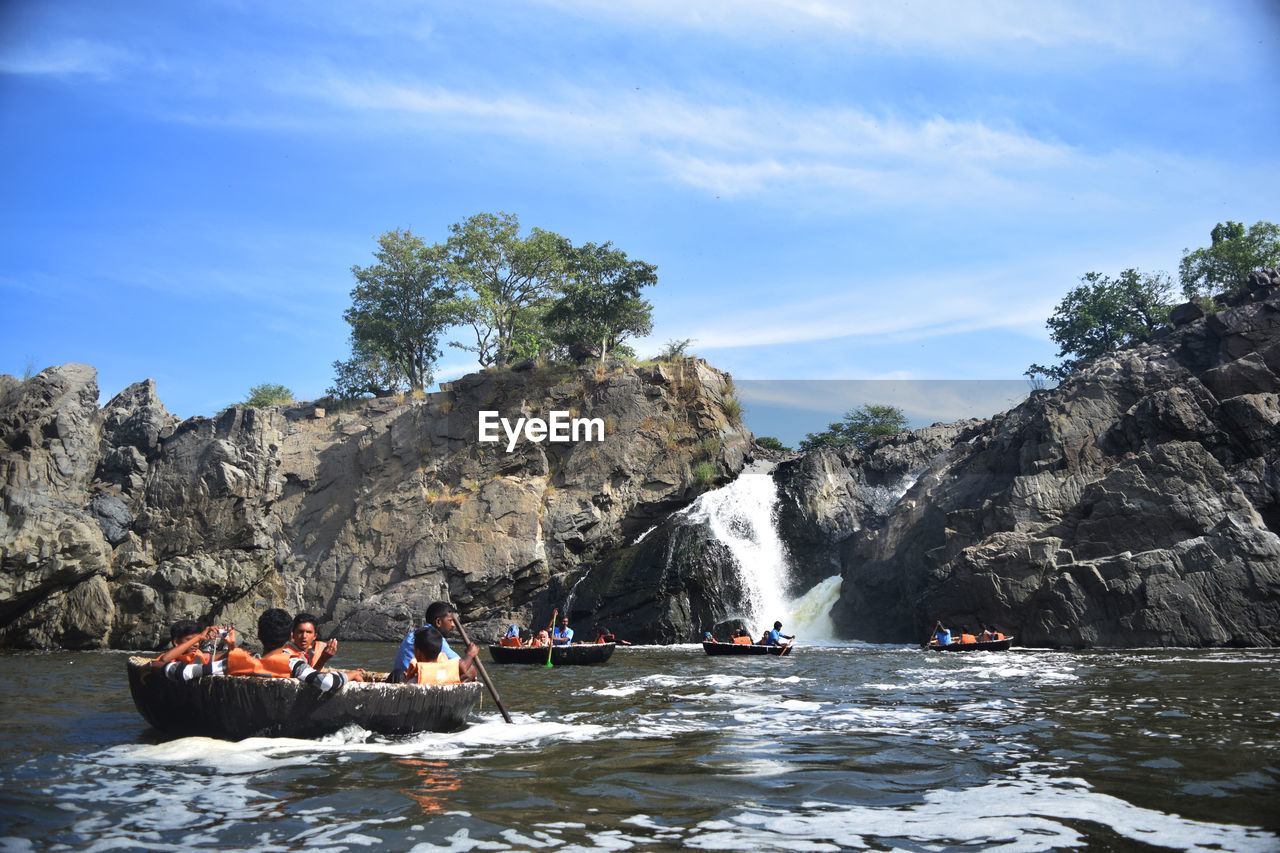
column 942, row 636
column 771, row 637
column 291, row 649
column 555, row 634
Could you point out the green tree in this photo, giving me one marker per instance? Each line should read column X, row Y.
column 365, row 373
column 1224, row 265
column 267, row 394
column 512, row 282
column 768, row 442
column 399, row 307
column 600, row 302
column 858, row 427
column 1104, row 314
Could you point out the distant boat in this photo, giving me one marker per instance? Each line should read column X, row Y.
column 714, row 648
column 989, row 646
column 570, row 655
column 233, row 707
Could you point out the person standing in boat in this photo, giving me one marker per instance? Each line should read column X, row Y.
column 562, row 634
column 775, row 637
column 440, row 615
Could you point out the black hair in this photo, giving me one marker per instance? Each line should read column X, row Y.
column 777, row 625
column 302, row 618
column 428, row 641
column 274, row 627
column 183, row 628
column 437, row 610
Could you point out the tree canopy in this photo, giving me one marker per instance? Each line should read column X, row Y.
column 512, row 281
column 1224, row 265
column 600, row 299
column 858, row 427
column 1104, row 314
column 521, row 297
column 268, row 394
column 399, row 307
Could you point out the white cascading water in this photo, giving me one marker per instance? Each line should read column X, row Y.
column 741, row 515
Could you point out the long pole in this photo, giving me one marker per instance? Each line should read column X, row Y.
column 484, row 676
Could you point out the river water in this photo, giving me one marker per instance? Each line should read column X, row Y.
column 664, row 748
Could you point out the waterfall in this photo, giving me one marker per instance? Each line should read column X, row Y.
column 740, row 515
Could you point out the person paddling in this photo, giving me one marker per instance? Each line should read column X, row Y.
column 562, row 635
column 941, row 635
column 775, row 637
column 440, row 615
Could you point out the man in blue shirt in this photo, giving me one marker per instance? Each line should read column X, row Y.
column 563, row 634
column 941, row 635
column 775, row 637
column 439, row 614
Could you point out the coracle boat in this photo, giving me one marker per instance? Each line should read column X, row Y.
column 713, row 648
column 233, row 707
column 1001, row 645
column 578, row 653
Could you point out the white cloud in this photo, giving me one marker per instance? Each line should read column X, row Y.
column 939, row 26
column 69, row 57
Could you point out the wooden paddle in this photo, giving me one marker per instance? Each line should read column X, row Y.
column 787, row 647
column 484, row 676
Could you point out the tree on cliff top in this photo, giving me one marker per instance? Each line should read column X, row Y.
column 600, row 302
column 858, row 427
column 268, row 394
column 399, row 307
column 512, row 282
column 1224, row 265
column 1102, row 315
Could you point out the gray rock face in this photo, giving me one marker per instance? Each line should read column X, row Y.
column 119, row 521
column 1137, row 504
column 828, row 495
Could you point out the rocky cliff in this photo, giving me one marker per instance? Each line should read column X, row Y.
column 1137, row 504
column 118, row 521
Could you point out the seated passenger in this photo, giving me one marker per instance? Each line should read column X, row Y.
column 543, row 639
column 279, row 659
column 512, row 637
column 302, row 639
column 430, row 665
column 184, row 660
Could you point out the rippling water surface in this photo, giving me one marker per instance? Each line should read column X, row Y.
column 836, row 748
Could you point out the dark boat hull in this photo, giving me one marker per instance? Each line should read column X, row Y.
column 579, row 654
column 744, row 649
column 237, row 707
column 989, row 646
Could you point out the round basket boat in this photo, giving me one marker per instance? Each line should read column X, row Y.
column 236, row 707
column 713, row 648
column 988, row 646
column 578, row 653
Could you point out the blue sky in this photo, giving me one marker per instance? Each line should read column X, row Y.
column 864, row 191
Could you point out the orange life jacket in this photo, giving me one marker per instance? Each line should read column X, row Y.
column 443, row 671
column 276, row 664
column 513, row 642
column 742, row 641
column 192, row 656
column 968, row 638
